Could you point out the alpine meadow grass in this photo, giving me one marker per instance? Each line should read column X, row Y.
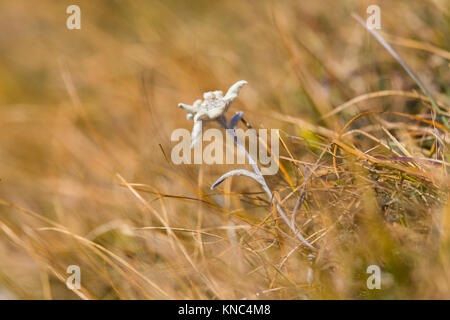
column 87, row 182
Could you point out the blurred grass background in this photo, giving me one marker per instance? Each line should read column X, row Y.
column 79, row 109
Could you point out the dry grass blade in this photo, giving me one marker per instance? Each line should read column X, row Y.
column 378, row 94
column 405, row 66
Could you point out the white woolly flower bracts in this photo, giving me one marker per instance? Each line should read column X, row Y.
column 213, row 105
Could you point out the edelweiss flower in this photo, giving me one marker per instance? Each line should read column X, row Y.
column 213, row 105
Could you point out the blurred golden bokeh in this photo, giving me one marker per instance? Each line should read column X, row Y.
column 86, row 118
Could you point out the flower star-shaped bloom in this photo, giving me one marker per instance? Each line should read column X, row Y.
column 213, row 106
